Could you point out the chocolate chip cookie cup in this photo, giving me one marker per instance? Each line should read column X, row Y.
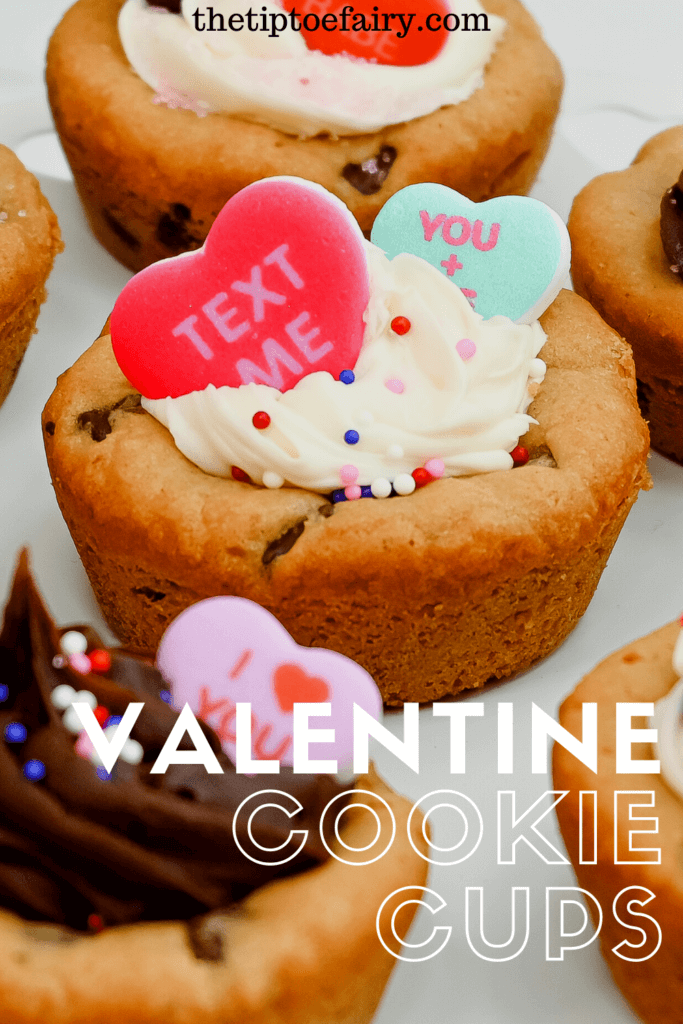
column 618, row 224
column 29, row 242
column 466, row 580
column 152, row 179
column 123, row 896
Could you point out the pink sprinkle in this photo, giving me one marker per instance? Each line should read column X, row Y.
column 80, row 663
column 466, row 348
column 84, row 747
column 348, row 474
column 304, row 81
column 435, row 468
column 352, row 492
column 395, row 385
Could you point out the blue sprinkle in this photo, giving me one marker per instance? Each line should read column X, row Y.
column 352, row 437
column 166, row 695
column 339, row 495
column 4, row 692
column 15, row 732
column 347, row 376
column 102, row 773
column 34, row 770
column 366, row 492
column 112, row 720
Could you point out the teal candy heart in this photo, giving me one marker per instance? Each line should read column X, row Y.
column 510, row 256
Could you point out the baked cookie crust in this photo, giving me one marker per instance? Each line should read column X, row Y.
column 641, row 671
column 465, row 581
column 152, row 180
column 619, row 265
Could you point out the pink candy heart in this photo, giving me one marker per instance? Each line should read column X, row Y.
column 227, row 650
column 278, row 291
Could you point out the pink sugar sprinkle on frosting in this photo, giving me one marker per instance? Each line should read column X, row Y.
column 466, row 348
column 348, row 474
column 352, row 492
column 84, row 746
column 435, row 468
column 395, row 385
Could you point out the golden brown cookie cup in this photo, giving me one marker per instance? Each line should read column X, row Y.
column 639, row 672
column 303, row 950
column 152, row 180
column 619, row 265
column 29, row 241
column 464, row 581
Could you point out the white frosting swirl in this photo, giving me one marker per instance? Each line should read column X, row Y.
column 668, row 721
column 281, row 83
column 459, row 390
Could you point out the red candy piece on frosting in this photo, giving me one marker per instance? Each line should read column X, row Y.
column 376, row 36
column 278, row 291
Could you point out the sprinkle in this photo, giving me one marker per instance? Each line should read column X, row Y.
column 101, row 714
column 102, row 773
column 348, row 474
column 95, row 922
column 537, row 368
column 239, row 474
column 21, row 213
column 435, row 468
column 381, row 488
column 366, row 491
column 421, row 476
column 62, row 696
column 466, row 348
column 400, row 325
column 520, row 455
column 272, row 480
column 132, row 752
column 86, row 697
column 80, row 663
column 166, row 696
column 394, row 451
column 352, row 492
column 395, row 385
column 365, row 418
column 100, row 660
column 352, row 437
column 15, row 732
column 261, row 420
column 4, row 692
column 71, row 721
column 4, row 215
column 59, row 661
column 84, row 746
column 34, row 770
column 338, row 495
column 404, row 484
column 347, row 376
column 73, row 642
column 113, row 720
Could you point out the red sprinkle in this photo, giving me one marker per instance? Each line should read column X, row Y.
column 520, row 456
column 421, row 476
column 261, row 420
column 100, row 660
column 101, row 713
column 95, row 923
column 239, row 474
column 400, row 325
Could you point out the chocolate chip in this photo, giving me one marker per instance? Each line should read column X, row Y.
column 117, row 227
column 50, row 428
column 170, row 5
column 152, row 595
column 326, row 510
column 172, row 229
column 284, row 543
column 671, row 226
column 205, row 936
column 369, row 176
column 96, row 421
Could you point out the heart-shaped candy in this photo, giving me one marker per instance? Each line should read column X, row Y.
column 510, row 256
column 278, row 291
column 372, row 30
column 227, row 650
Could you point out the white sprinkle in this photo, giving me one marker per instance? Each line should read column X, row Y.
column 71, row 721
column 272, row 480
column 132, row 752
column 63, row 696
column 58, row 661
column 21, row 213
column 86, row 697
column 4, row 215
column 381, row 488
column 73, row 642
column 404, row 484
column 365, row 418
column 394, row 451
column 537, row 368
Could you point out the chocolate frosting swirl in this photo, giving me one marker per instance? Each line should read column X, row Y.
column 671, row 225
column 137, row 846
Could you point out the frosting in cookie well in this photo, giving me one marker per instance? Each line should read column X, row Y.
column 452, row 389
column 284, row 84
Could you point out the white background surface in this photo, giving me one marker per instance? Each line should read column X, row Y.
column 623, row 69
